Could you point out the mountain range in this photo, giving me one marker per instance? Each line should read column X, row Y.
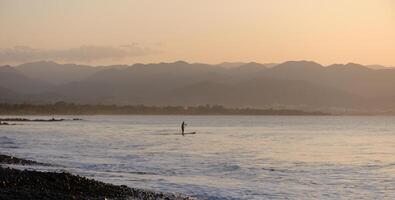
column 293, row 84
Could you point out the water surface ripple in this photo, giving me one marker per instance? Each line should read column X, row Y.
column 230, row 157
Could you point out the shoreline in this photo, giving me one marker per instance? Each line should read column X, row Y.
column 5, row 120
column 28, row 184
column 63, row 108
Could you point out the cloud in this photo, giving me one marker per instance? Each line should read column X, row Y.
column 79, row 54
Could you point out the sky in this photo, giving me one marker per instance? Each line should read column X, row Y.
column 102, row 32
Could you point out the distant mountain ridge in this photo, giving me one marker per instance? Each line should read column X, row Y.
column 293, row 84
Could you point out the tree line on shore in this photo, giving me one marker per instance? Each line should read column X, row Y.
column 63, row 108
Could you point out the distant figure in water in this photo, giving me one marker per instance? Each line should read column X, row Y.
column 183, row 127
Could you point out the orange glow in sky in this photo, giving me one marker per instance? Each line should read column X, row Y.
column 211, row 31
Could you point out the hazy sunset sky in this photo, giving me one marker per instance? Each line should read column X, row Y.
column 210, row 31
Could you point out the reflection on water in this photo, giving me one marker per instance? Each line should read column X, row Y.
column 230, row 157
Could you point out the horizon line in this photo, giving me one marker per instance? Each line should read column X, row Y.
column 189, row 62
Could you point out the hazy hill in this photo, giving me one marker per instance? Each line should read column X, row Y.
column 7, row 95
column 378, row 67
column 260, row 92
column 231, row 64
column 246, row 70
column 291, row 84
column 55, row 73
column 352, row 78
column 138, row 83
column 16, row 82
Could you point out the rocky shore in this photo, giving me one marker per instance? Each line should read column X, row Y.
column 24, row 184
column 3, row 120
column 4, row 123
column 18, row 161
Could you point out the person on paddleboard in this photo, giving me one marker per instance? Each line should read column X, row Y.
column 183, row 127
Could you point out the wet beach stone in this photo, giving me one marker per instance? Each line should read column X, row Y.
column 4, row 159
column 23, row 184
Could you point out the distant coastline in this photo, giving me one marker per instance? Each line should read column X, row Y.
column 296, row 85
column 62, row 108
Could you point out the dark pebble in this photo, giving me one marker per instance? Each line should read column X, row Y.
column 23, row 184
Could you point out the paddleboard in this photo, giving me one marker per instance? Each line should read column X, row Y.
column 189, row 133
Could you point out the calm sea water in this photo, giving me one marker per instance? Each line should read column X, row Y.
column 230, row 157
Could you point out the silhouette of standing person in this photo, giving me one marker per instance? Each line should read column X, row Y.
column 183, row 127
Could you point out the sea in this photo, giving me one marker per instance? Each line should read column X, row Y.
column 229, row 157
